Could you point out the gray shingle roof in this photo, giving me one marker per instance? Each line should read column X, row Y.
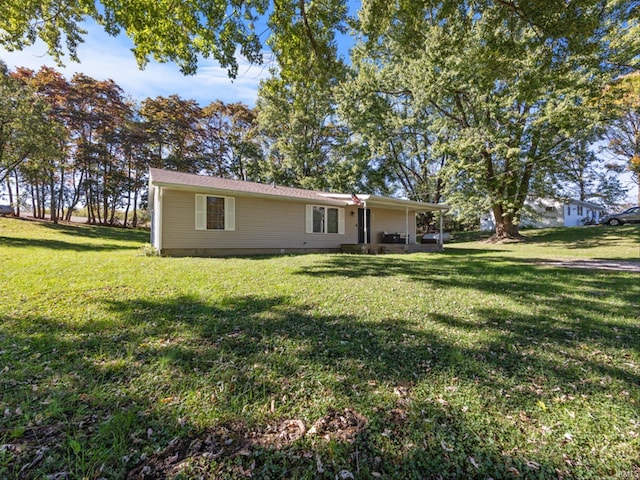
column 171, row 178
column 168, row 178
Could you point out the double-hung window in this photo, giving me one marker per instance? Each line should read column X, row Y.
column 215, row 213
column 323, row 219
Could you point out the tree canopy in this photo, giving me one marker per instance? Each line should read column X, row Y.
column 622, row 100
column 182, row 32
column 165, row 30
column 501, row 90
column 479, row 102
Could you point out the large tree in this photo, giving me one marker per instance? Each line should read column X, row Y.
column 56, row 171
column 296, row 106
column 504, row 84
column 28, row 137
column 173, row 131
column 622, row 100
column 505, row 89
column 229, row 145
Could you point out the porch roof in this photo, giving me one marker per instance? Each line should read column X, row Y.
column 390, row 203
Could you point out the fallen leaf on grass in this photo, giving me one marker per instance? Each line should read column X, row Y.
column 401, row 391
column 344, row 475
column 533, row 465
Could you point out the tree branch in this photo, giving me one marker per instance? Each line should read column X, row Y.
column 307, row 28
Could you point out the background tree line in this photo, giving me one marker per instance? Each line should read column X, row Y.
column 480, row 103
column 82, row 142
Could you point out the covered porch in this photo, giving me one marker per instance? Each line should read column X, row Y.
column 388, row 225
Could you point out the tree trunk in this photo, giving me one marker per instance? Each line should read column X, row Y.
column 506, row 229
column 134, row 221
column 33, row 201
column 61, row 192
column 53, row 213
column 17, row 209
column 10, row 193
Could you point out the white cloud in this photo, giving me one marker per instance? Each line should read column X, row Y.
column 103, row 57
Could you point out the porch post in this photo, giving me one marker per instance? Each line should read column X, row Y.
column 364, row 216
column 406, row 225
column 441, row 240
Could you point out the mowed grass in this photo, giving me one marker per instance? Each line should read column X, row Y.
column 473, row 363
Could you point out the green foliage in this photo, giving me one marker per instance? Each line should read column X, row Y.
column 622, row 102
column 25, row 130
column 162, row 30
column 296, row 107
column 475, row 101
column 498, row 89
column 475, row 362
column 182, row 32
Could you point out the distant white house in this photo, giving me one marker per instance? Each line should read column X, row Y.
column 548, row 212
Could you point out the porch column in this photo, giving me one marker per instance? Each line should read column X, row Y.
column 441, row 240
column 406, row 225
column 364, row 216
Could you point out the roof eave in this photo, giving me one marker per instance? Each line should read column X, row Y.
column 241, row 193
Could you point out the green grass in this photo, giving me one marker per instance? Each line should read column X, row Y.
column 473, row 363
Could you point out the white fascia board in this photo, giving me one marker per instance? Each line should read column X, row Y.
column 399, row 203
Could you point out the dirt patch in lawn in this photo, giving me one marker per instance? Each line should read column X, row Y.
column 196, row 456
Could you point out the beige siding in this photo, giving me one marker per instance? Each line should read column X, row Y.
column 391, row 221
column 259, row 224
column 351, row 224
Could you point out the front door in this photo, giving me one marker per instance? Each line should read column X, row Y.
column 361, row 220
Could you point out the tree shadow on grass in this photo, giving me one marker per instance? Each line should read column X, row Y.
column 99, row 232
column 82, row 238
column 351, row 360
column 60, row 245
column 575, row 292
column 225, row 364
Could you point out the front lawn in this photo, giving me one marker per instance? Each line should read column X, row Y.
column 473, row 363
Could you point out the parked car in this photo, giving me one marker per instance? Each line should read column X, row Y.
column 6, row 210
column 630, row 215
